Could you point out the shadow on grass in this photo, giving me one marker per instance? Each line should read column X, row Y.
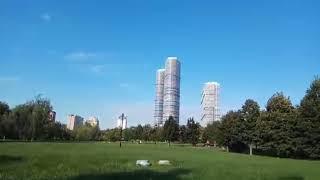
column 138, row 175
column 7, row 159
column 291, row 178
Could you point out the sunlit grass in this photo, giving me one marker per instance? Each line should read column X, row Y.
column 108, row 161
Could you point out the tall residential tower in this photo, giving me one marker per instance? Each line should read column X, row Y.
column 74, row 121
column 167, row 102
column 210, row 103
column 158, row 109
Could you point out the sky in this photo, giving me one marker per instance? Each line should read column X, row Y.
column 99, row 58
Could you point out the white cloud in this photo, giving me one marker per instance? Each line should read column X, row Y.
column 46, row 17
column 9, row 79
column 80, row 56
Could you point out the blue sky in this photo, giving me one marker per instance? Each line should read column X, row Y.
column 100, row 57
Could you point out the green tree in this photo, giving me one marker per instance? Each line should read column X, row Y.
column 4, row 113
column 111, row 135
column 146, row 133
column 183, row 138
column 212, row 133
column 129, row 134
column 276, row 127
column 139, row 132
column 279, row 103
column 250, row 113
column 4, row 108
column 193, row 131
column 231, row 132
column 170, row 130
column 86, row 132
column 308, row 125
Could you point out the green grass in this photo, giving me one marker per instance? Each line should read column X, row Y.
column 77, row 161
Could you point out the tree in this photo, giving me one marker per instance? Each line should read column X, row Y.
column 212, row 133
column 146, row 133
column 250, row 113
column 193, row 131
column 308, row 125
column 111, row 135
column 139, row 132
column 4, row 108
column 276, row 127
column 279, row 103
column 4, row 113
column 170, row 130
column 231, row 132
column 183, row 138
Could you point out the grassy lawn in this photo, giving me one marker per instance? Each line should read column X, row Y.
column 77, row 161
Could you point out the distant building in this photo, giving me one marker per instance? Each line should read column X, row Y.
column 74, row 121
column 52, row 116
column 122, row 124
column 93, row 121
column 167, row 101
column 158, row 111
column 210, row 103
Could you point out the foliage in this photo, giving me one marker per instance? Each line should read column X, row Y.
column 212, row 133
column 183, row 137
column 279, row 103
column 111, row 135
column 308, row 126
column 193, row 131
column 30, row 121
column 170, row 130
column 86, row 133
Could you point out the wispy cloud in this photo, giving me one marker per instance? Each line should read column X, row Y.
column 46, row 17
column 9, row 79
column 98, row 69
column 80, row 56
column 124, row 85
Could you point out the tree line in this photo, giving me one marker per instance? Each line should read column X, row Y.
column 170, row 132
column 31, row 122
column 280, row 130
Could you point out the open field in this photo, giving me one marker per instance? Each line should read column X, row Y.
column 78, row 161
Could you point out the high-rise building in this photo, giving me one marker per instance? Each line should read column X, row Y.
column 93, row 121
column 210, row 103
column 74, row 121
column 167, row 101
column 158, row 110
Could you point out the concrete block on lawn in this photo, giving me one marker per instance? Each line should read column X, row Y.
column 164, row 162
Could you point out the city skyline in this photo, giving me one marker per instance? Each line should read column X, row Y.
column 103, row 62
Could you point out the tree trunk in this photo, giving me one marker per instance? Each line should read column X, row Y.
column 250, row 146
column 169, row 143
column 227, row 148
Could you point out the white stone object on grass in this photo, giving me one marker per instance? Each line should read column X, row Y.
column 164, row 162
column 143, row 163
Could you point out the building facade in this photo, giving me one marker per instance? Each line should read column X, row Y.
column 210, row 103
column 158, row 110
column 93, row 121
column 74, row 121
column 167, row 101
